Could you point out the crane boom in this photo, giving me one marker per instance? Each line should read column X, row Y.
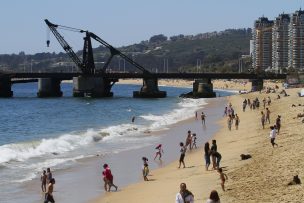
column 115, row 51
column 65, row 45
column 87, row 66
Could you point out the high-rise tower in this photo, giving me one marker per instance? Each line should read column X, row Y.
column 296, row 40
column 262, row 40
column 280, row 41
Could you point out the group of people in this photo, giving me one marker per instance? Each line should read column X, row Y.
column 265, row 117
column 232, row 116
column 47, row 185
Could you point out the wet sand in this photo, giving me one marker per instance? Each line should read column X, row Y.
column 263, row 178
column 83, row 182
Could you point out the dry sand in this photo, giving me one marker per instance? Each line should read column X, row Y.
column 263, row 178
column 217, row 84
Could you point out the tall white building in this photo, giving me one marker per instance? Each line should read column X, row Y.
column 296, row 40
column 262, row 40
column 280, row 42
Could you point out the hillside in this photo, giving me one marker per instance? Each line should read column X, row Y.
column 214, row 52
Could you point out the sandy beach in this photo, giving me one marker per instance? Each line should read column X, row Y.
column 263, row 178
column 243, row 85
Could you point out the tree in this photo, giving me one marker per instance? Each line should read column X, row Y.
column 158, row 38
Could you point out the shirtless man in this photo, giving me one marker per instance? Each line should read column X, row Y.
column 49, row 194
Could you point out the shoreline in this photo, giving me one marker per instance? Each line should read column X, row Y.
column 249, row 139
column 89, row 169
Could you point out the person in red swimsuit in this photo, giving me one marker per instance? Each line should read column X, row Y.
column 108, row 177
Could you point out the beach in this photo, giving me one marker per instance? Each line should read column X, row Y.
column 263, row 178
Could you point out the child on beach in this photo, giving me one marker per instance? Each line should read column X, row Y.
column 189, row 140
column 43, row 181
column 159, row 151
column 145, row 172
column 223, row 178
column 194, row 140
column 272, row 136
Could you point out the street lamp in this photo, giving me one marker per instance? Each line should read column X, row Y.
column 198, row 65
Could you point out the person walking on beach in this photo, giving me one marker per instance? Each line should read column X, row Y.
column 223, row 178
column 49, row 175
column 278, row 123
column 203, row 116
column 268, row 101
column 225, row 111
column 49, row 194
column 272, row 136
column 217, row 157
column 184, row 195
column 264, row 102
column 145, row 172
column 214, row 197
column 109, row 177
column 263, row 119
column 229, row 122
column 159, row 151
column 189, row 140
column 244, row 105
column 182, row 154
column 43, row 181
column 207, row 155
column 196, row 115
column 213, row 149
column 267, row 115
column 237, row 121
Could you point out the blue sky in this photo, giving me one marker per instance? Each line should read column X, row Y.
column 126, row 21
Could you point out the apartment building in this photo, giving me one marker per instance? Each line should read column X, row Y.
column 296, row 40
column 280, row 42
column 262, row 40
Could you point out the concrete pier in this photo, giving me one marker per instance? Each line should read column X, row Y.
column 202, row 88
column 5, row 87
column 257, row 84
column 84, row 86
column 49, row 87
column 149, row 89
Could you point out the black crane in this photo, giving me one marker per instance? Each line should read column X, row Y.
column 87, row 65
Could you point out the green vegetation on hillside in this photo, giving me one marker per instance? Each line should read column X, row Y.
column 207, row 52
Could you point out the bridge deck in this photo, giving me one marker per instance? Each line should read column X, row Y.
column 69, row 76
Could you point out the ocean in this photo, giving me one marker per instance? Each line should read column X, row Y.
column 56, row 132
